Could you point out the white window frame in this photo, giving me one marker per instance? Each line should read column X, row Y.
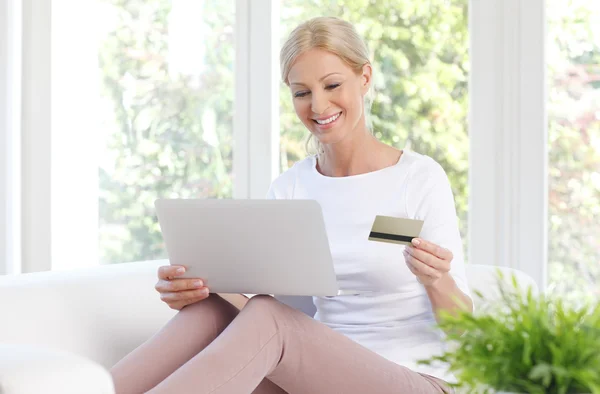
column 508, row 153
column 508, row 199
column 256, row 122
column 35, row 137
column 10, row 147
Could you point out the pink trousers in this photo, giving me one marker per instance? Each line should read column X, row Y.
column 266, row 348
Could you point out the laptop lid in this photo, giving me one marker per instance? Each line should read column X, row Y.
column 250, row 246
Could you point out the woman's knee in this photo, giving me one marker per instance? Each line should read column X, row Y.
column 266, row 307
column 213, row 308
column 263, row 301
column 263, row 305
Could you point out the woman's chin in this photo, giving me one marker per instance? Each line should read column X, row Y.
column 328, row 139
column 327, row 136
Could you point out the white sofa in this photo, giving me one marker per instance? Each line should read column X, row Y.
column 61, row 331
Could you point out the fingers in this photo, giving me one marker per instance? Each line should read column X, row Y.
column 178, row 300
column 179, row 292
column 170, row 271
column 165, row 285
column 186, row 295
column 430, row 247
column 419, row 268
column 428, row 259
column 419, row 275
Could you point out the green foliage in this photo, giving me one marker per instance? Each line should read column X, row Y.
column 574, row 148
column 525, row 344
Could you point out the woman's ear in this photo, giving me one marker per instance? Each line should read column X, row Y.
column 366, row 78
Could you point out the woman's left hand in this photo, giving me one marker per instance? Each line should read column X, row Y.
column 427, row 261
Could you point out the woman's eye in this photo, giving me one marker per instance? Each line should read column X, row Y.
column 304, row 93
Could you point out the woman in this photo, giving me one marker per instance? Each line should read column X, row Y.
column 355, row 344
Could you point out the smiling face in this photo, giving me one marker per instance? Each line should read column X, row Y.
column 328, row 95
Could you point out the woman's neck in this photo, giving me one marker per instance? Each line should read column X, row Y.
column 355, row 156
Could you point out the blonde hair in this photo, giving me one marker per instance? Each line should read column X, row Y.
column 335, row 36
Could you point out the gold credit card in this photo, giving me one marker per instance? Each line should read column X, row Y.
column 395, row 230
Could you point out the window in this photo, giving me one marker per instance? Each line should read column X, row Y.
column 120, row 90
column 574, row 148
column 421, row 61
column 142, row 109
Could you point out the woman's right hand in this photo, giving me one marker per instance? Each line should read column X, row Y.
column 178, row 293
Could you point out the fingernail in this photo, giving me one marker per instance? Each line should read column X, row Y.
column 198, row 283
column 416, row 242
column 408, row 250
column 204, row 291
column 180, row 270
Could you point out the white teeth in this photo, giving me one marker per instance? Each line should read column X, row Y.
column 334, row 117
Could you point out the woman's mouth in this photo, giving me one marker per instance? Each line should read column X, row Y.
column 329, row 122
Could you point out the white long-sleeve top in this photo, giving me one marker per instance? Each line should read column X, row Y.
column 396, row 320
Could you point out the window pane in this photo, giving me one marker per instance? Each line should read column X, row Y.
column 160, row 114
column 574, row 148
column 420, row 77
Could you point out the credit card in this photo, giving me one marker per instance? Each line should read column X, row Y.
column 395, row 230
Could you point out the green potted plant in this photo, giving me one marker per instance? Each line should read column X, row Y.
column 524, row 344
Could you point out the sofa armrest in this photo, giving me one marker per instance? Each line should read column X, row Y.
column 26, row 369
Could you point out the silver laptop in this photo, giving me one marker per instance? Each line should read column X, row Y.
column 250, row 246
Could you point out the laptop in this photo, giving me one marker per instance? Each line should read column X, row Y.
column 250, row 246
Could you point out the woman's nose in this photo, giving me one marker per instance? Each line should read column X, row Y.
column 319, row 104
